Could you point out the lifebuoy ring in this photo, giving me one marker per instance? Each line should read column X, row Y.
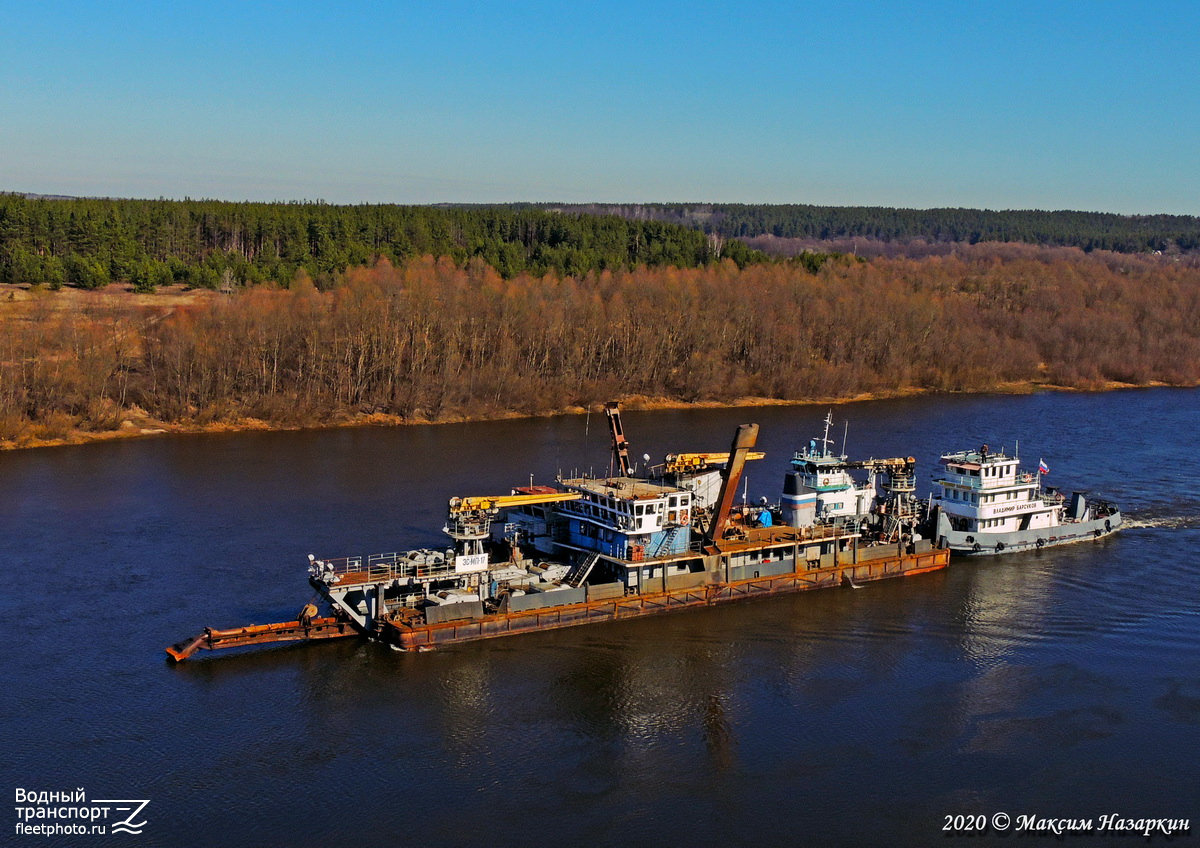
column 683, row 517
column 825, row 482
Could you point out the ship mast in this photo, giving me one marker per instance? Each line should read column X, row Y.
column 825, row 440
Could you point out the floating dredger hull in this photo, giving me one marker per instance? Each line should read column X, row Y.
column 591, row 550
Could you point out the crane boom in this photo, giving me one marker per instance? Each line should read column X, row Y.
column 677, row 462
column 895, row 462
column 486, row 502
column 888, row 464
column 620, row 446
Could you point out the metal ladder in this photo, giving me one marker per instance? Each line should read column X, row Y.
column 582, row 569
column 667, row 539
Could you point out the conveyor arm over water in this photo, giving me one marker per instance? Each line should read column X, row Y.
column 302, row 630
column 745, row 438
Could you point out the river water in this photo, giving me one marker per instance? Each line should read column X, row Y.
column 1063, row 683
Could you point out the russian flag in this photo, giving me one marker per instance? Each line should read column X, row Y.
column 1043, row 468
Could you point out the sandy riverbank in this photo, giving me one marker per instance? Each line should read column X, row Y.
column 140, row 425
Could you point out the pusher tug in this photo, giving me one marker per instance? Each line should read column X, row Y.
column 591, row 550
column 985, row 504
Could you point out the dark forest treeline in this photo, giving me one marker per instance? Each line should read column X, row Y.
column 92, row 242
column 432, row 339
column 1086, row 230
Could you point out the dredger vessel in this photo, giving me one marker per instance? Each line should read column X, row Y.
column 599, row 549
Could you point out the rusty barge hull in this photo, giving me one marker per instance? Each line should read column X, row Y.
column 417, row 635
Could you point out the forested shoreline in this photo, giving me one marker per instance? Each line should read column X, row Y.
column 810, row 223
column 91, row 242
column 207, row 244
column 431, row 339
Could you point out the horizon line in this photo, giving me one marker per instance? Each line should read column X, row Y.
column 319, row 201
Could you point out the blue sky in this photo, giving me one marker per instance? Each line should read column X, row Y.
column 1051, row 105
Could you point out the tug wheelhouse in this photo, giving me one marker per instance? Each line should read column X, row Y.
column 986, row 492
column 986, row 504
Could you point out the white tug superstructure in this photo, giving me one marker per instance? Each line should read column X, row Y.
column 833, row 492
column 985, row 504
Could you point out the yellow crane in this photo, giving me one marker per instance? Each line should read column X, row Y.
column 490, row 502
column 469, row 520
column 677, row 462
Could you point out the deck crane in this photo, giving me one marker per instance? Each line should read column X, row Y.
column 469, row 519
column 620, row 446
column 676, row 463
column 900, row 506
